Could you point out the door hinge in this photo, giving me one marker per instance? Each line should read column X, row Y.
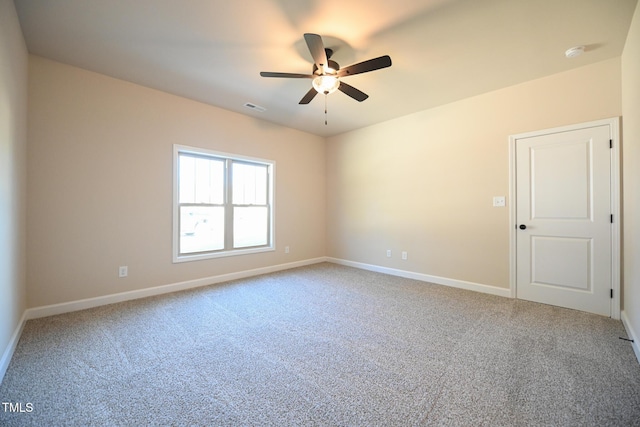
column 611, row 143
column 611, row 293
column 611, row 218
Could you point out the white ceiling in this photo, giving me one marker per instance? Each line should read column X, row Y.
column 213, row 50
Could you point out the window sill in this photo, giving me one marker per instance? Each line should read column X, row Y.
column 235, row 252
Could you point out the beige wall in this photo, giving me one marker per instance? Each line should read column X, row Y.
column 424, row 183
column 100, row 184
column 631, row 174
column 13, row 141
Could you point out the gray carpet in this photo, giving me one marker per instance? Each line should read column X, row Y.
column 324, row 345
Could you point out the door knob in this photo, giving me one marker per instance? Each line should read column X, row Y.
column 523, row 227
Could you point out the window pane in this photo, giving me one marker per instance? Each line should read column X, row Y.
column 250, row 225
column 201, row 229
column 249, row 184
column 201, row 180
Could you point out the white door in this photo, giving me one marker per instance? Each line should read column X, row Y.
column 563, row 219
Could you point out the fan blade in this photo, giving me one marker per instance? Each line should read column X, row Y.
column 286, row 75
column 352, row 92
column 316, row 47
column 365, row 66
column 309, row 96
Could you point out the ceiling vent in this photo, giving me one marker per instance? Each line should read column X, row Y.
column 255, row 107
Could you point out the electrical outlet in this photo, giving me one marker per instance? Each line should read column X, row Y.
column 123, row 271
column 499, row 201
column 286, row 249
column 388, row 253
column 404, row 255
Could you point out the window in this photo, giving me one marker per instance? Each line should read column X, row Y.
column 223, row 204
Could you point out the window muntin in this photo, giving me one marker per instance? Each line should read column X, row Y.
column 223, row 204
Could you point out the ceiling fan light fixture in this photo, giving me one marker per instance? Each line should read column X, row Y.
column 326, row 84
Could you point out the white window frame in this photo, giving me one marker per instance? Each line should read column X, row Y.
column 271, row 164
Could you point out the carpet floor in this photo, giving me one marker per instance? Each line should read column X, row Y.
column 323, row 345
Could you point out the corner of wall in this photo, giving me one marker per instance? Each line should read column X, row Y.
column 630, row 76
column 13, row 141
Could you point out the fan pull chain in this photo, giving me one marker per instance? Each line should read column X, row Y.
column 325, row 108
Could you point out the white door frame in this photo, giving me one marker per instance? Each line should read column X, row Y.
column 614, row 126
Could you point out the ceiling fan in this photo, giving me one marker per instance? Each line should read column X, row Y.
column 327, row 74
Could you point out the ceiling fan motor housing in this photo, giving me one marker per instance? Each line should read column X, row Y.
column 331, row 64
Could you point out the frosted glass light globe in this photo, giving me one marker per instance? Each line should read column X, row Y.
column 326, row 84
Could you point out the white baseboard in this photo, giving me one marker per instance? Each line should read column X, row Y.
column 470, row 286
column 50, row 310
column 67, row 307
column 11, row 348
column 631, row 334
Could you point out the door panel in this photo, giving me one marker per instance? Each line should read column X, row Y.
column 561, row 262
column 563, row 199
column 566, row 198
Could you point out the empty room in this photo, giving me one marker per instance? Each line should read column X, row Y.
column 322, row 213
